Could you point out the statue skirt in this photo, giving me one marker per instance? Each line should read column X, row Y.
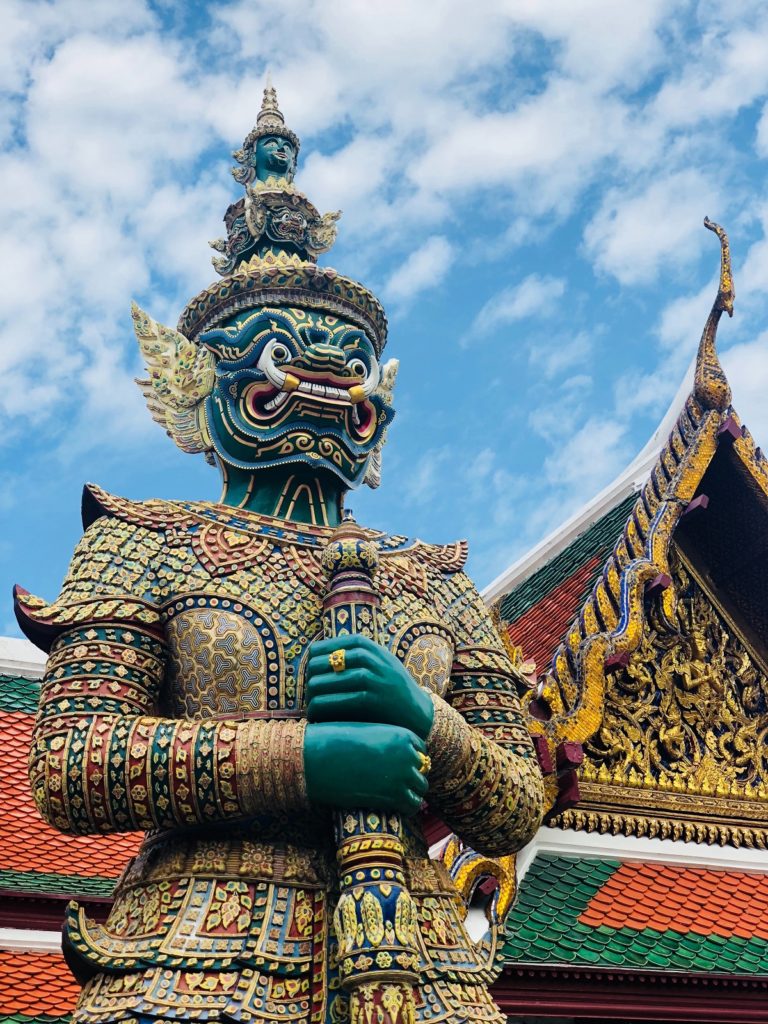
column 220, row 926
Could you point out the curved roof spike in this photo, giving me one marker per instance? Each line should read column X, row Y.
column 726, row 293
column 711, row 386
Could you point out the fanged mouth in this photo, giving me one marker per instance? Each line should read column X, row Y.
column 266, row 404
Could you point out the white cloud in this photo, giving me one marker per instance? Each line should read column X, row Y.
column 424, row 268
column 633, row 233
column 423, row 483
column 554, row 138
column 590, row 458
column 107, row 115
column 727, row 71
column 533, row 296
column 561, row 353
column 746, row 366
column 445, row 137
column 683, row 319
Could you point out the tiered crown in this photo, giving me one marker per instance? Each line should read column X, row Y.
column 274, row 236
column 269, row 122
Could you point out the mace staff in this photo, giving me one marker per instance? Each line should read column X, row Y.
column 375, row 920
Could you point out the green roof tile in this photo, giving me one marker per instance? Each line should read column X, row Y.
column 41, row 882
column 597, row 541
column 17, row 694
column 22, row 1018
column 563, row 887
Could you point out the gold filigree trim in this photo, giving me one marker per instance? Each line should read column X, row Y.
column 615, row 823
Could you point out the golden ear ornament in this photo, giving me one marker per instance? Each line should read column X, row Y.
column 180, row 377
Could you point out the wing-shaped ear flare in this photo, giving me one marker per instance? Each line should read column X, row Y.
column 181, row 376
column 386, row 390
column 386, row 386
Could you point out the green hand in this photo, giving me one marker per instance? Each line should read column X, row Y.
column 355, row 764
column 373, row 687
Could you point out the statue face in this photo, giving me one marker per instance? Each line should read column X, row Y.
column 274, row 155
column 295, row 386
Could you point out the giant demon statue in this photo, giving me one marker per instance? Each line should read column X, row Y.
column 266, row 689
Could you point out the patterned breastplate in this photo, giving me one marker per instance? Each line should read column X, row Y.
column 239, row 596
column 225, row 660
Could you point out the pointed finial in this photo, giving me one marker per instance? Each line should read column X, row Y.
column 270, row 116
column 711, row 386
column 726, row 293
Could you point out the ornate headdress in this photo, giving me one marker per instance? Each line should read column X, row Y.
column 269, row 258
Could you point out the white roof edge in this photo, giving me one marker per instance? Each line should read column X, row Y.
column 19, row 657
column 30, row 940
column 628, row 481
column 571, row 843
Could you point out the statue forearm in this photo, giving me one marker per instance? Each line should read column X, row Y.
column 102, row 761
column 490, row 794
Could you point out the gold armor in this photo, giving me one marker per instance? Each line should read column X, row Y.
column 174, row 702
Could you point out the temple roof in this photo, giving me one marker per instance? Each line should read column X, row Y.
column 639, row 613
column 567, row 536
column 35, row 858
column 543, row 604
column 601, row 912
column 40, row 868
column 35, row 988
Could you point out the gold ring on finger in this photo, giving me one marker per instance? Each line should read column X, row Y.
column 336, row 659
column 425, row 763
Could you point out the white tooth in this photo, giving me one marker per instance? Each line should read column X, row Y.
column 304, row 386
column 318, row 389
column 355, row 416
column 277, row 401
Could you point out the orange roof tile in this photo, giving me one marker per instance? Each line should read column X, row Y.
column 35, row 984
column 27, row 843
column 682, row 899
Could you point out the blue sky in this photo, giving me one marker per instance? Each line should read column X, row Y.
column 523, row 185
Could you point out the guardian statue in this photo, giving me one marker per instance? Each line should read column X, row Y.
column 270, row 692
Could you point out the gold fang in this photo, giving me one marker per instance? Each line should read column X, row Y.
column 291, row 383
column 357, row 394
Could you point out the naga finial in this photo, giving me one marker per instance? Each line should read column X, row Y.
column 711, row 386
column 726, row 293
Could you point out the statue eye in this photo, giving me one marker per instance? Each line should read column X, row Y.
column 280, row 354
column 358, row 367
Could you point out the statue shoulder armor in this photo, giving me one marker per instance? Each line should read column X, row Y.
column 107, row 580
column 154, row 514
column 444, row 558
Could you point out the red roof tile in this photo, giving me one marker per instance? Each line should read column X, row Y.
column 27, row 843
column 35, row 984
column 539, row 630
column 682, row 899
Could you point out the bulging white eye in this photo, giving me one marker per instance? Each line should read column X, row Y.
column 358, row 367
column 280, row 354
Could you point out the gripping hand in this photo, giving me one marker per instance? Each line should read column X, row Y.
column 372, row 687
column 355, row 764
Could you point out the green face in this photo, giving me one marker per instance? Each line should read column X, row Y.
column 294, row 386
column 274, row 156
